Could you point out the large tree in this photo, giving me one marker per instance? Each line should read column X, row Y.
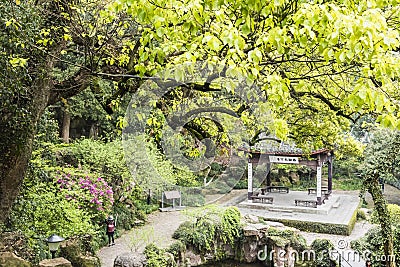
column 320, row 64
column 50, row 51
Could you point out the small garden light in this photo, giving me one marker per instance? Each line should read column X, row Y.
column 54, row 243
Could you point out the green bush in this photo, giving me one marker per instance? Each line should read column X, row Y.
column 69, row 189
column 177, row 249
column 41, row 210
column 326, row 228
column 322, row 247
column 210, row 227
column 287, row 237
column 373, row 242
column 157, row 257
column 394, row 213
column 361, row 215
column 242, row 184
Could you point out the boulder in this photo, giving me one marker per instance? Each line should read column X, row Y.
column 88, row 261
column 57, row 262
column 250, row 250
column 130, row 260
column 250, row 230
column 274, row 224
column 261, row 227
column 9, row 259
column 17, row 244
column 75, row 249
column 251, row 218
column 192, row 259
column 284, row 256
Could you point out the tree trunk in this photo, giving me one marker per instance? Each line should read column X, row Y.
column 94, row 131
column 65, row 126
column 375, row 190
column 16, row 142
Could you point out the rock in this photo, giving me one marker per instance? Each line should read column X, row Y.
column 284, row 256
column 75, row 249
column 261, row 227
column 57, row 262
column 250, row 251
column 130, row 260
column 274, row 224
column 250, row 230
column 251, row 218
column 192, row 259
column 17, row 244
column 88, row 261
column 9, row 259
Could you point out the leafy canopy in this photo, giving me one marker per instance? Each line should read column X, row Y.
column 320, row 64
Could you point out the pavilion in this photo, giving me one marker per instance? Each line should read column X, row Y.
column 299, row 209
column 286, row 154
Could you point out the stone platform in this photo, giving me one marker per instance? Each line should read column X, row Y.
column 338, row 210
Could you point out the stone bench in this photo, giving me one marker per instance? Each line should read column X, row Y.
column 262, row 199
column 306, row 203
column 279, row 189
column 324, row 191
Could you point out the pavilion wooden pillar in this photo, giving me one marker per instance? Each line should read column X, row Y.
column 319, row 180
column 330, row 171
column 249, row 179
column 268, row 174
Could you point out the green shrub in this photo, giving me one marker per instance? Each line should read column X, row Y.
column 394, row 213
column 177, row 249
column 327, row 228
column 322, row 247
column 361, row 215
column 210, row 227
column 157, row 257
column 69, row 190
column 242, row 184
column 42, row 210
column 287, row 237
column 373, row 242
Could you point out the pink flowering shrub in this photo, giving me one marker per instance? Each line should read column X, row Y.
column 93, row 194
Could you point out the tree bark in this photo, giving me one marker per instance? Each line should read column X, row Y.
column 375, row 190
column 17, row 139
column 65, row 127
column 94, row 131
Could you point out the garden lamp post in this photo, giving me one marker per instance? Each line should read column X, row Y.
column 54, row 243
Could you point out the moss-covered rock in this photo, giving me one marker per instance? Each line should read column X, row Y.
column 9, row 259
column 220, row 236
column 77, row 250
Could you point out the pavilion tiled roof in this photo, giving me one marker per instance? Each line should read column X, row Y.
column 282, row 150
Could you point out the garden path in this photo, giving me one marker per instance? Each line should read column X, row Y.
column 158, row 229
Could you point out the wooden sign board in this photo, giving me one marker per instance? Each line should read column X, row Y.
column 172, row 194
column 284, row 159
